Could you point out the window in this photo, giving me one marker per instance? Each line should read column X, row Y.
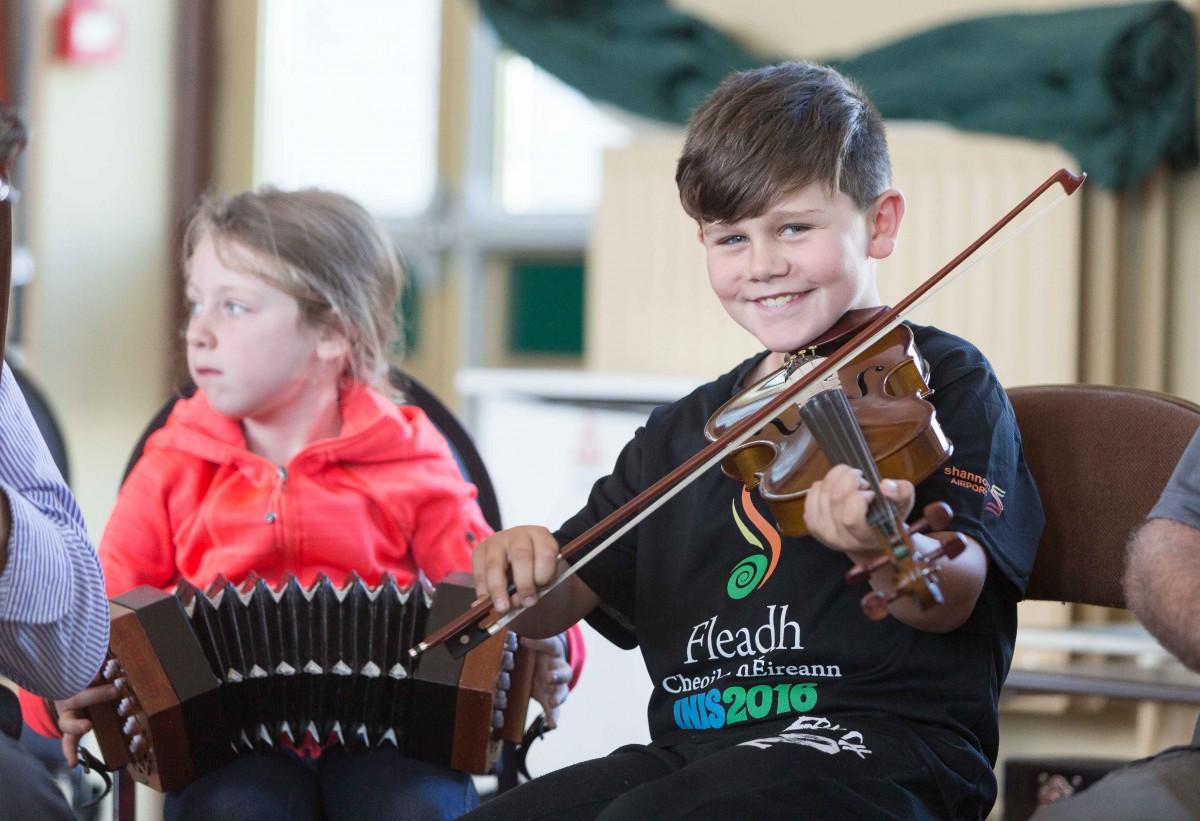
column 350, row 99
column 550, row 141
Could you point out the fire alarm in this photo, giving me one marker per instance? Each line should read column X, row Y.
column 88, row 32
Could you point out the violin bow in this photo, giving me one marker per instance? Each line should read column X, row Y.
column 473, row 626
column 12, row 140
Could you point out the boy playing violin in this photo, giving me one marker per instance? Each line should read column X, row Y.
column 774, row 695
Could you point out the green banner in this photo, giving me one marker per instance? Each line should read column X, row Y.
column 1113, row 85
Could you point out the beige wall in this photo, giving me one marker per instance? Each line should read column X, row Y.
column 1184, row 300
column 237, row 94
column 98, row 197
column 640, row 229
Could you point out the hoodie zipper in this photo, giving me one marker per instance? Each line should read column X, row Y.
column 274, row 512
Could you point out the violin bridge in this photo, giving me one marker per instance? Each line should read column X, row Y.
column 798, row 365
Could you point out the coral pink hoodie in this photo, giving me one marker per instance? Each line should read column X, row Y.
column 385, row 495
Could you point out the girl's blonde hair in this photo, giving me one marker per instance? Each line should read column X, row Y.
column 324, row 250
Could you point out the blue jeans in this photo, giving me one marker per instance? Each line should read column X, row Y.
column 355, row 785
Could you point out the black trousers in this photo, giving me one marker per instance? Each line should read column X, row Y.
column 26, row 788
column 806, row 771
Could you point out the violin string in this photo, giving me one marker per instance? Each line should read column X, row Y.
column 994, row 246
column 832, row 422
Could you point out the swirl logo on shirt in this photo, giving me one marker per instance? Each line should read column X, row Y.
column 753, row 571
column 996, row 504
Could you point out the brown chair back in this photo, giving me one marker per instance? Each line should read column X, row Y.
column 1101, row 456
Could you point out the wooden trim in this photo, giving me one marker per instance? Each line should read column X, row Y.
column 195, row 108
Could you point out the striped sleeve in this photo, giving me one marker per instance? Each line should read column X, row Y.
column 53, row 609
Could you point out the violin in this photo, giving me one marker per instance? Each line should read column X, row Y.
column 912, row 575
column 871, row 414
column 886, row 387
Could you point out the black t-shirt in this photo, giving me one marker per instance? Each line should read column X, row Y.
column 738, row 624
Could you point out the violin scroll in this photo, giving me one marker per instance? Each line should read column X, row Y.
column 916, row 573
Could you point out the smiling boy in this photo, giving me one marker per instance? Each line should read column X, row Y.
column 774, row 695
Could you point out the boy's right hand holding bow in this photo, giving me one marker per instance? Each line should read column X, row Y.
column 526, row 558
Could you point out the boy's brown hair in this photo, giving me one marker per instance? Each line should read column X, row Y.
column 321, row 248
column 766, row 133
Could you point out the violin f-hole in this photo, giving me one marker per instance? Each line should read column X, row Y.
column 861, row 379
column 782, row 427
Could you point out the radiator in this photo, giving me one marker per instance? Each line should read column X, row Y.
column 649, row 307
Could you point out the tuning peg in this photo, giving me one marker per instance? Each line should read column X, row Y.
column 860, row 572
column 935, row 517
column 875, row 605
column 951, row 545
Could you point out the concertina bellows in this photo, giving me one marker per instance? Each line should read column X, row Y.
column 203, row 676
